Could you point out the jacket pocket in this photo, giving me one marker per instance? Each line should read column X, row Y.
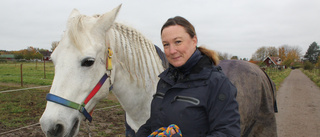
column 187, row 99
column 158, row 95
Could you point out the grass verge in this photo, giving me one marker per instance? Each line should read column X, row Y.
column 278, row 76
column 314, row 75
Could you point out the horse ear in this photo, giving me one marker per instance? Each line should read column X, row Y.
column 107, row 19
column 74, row 13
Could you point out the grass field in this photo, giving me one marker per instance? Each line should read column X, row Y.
column 32, row 73
column 20, row 108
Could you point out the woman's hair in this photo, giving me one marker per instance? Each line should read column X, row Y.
column 178, row 20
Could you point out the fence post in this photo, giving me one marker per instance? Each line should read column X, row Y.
column 44, row 68
column 21, row 75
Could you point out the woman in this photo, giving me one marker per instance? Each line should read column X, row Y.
column 193, row 93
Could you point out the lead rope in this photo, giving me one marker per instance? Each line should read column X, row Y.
column 88, row 129
column 166, row 132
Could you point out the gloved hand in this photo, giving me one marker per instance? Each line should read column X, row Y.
column 167, row 132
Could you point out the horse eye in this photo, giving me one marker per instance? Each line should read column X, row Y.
column 87, row 62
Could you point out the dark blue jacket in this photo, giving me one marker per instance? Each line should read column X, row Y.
column 197, row 97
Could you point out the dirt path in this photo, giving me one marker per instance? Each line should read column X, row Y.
column 299, row 107
column 107, row 122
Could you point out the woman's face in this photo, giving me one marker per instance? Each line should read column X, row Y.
column 178, row 45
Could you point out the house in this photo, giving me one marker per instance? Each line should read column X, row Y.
column 272, row 61
column 7, row 56
column 46, row 55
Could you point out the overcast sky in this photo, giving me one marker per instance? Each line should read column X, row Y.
column 237, row 27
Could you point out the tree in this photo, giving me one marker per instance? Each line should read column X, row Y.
column 29, row 53
column 272, row 51
column 224, row 56
column 234, row 57
column 318, row 63
column 312, row 53
column 292, row 57
column 264, row 52
column 54, row 45
column 283, row 52
column 260, row 54
column 289, row 54
column 18, row 56
column 308, row 65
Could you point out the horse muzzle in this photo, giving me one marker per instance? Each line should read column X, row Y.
column 54, row 124
column 58, row 129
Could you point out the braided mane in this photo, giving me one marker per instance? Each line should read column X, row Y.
column 137, row 54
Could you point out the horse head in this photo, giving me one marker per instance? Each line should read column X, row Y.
column 80, row 60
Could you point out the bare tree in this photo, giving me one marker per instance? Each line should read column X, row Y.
column 264, row 52
column 260, row 54
column 272, row 51
column 224, row 56
column 54, row 45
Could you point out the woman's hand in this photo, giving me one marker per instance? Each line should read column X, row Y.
column 173, row 131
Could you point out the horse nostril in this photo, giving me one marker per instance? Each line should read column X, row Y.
column 56, row 130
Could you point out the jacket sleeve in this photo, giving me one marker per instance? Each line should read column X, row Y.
column 144, row 130
column 224, row 117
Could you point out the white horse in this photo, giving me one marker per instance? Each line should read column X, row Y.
column 85, row 54
column 81, row 59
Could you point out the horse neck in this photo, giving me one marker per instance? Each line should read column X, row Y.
column 137, row 66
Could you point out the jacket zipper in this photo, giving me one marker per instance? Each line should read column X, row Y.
column 191, row 100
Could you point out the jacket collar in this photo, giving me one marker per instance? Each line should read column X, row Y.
column 198, row 62
column 191, row 62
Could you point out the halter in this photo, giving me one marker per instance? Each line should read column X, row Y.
column 81, row 107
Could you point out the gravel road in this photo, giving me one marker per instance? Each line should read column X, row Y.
column 299, row 107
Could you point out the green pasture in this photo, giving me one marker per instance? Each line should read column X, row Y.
column 32, row 72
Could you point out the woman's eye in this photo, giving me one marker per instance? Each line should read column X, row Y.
column 178, row 42
column 165, row 45
column 87, row 62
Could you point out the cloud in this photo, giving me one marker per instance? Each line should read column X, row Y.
column 236, row 27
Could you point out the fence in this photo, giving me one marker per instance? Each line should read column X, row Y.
column 39, row 73
column 272, row 71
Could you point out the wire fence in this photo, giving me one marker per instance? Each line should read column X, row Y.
column 5, row 91
column 37, row 124
column 38, row 73
column 273, row 70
